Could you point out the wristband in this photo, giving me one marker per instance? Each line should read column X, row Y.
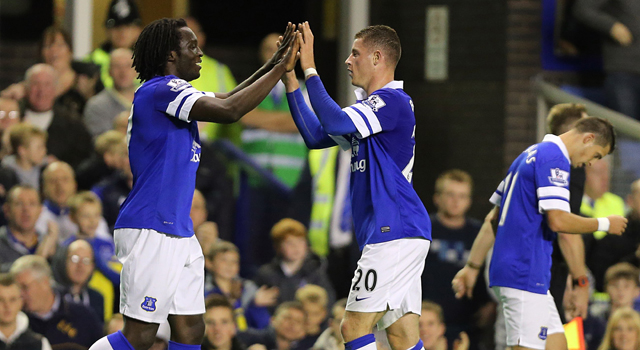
column 473, row 266
column 603, row 224
column 310, row 71
column 582, row 281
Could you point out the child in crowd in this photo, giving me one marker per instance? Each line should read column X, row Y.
column 29, row 149
column 314, row 301
column 249, row 301
column 432, row 329
column 220, row 333
column 85, row 210
column 331, row 338
column 623, row 331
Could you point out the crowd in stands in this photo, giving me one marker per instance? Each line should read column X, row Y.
column 65, row 171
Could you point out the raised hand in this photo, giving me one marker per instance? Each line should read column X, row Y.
column 284, row 44
column 305, row 38
column 292, row 56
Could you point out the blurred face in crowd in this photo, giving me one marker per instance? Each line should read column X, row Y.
column 10, row 304
column 9, row 113
column 41, row 89
column 336, row 320
column 124, row 36
column 33, row 287
column 625, row 335
column 121, row 122
column 59, row 183
column 34, row 151
column 80, row 263
column 289, row 324
column 115, row 324
column 226, row 265
column 56, row 52
column 293, row 248
column 207, row 234
column 316, row 313
column 124, row 76
column 22, row 210
column 87, row 217
column 622, row 292
column 431, row 329
column 633, row 199
column 220, row 326
column 116, row 155
column 198, row 209
column 598, row 179
column 268, row 47
column 454, row 199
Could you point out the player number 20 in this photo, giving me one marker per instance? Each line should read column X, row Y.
column 370, row 280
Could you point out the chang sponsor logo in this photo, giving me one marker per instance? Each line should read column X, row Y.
column 359, row 165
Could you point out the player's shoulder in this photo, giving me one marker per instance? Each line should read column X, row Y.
column 549, row 151
column 393, row 96
column 171, row 84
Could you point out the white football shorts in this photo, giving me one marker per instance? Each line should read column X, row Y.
column 161, row 274
column 529, row 317
column 388, row 278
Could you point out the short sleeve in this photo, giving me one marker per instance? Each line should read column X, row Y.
column 552, row 184
column 496, row 197
column 176, row 98
column 377, row 113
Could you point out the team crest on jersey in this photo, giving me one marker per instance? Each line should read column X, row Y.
column 559, row 177
column 149, row 304
column 178, row 84
column 543, row 333
column 374, row 102
column 355, row 146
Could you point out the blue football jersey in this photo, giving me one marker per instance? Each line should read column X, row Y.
column 538, row 181
column 164, row 152
column 385, row 206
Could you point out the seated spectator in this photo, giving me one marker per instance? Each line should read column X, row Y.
column 58, row 185
column 199, row 211
column 249, row 302
column 314, row 301
column 113, row 190
column 221, row 329
column 294, row 265
column 284, row 332
column 432, row 329
column 65, row 324
column 110, row 152
column 73, row 269
column 623, row 331
column 602, row 250
column 14, row 324
column 68, row 139
column 85, row 210
column 207, row 235
column 29, row 149
column 102, row 108
column 331, row 338
column 19, row 236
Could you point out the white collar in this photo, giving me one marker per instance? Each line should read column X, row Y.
column 394, row 84
column 22, row 323
column 558, row 141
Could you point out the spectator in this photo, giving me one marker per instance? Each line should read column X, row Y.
column 623, row 331
column 68, row 139
column 123, row 28
column 58, row 185
column 453, row 233
column 314, row 302
column 207, row 235
column 432, row 329
column 602, row 250
column 198, row 212
column 76, row 265
column 286, row 329
column 110, row 154
column 14, row 324
column 633, row 227
column 121, row 122
column 113, row 190
column 116, row 323
column 28, row 145
column 220, row 333
column 19, row 236
column 63, row 323
column 249, row 301
column 294, row 265
column 9, row 113
column 331, row 338
column 102, row 108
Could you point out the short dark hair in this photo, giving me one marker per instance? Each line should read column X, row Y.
column 154, row 46
column 289, row 305
column 621, row 271
column 7, row 280
column 428, row 305
column 456, row 175
column 602, row 128
column 384, row 37
column 49, row 35
column 217, row 300
column 563, row 114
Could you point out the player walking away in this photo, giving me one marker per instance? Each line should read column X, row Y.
column 163, row 266
column 532, row 204
column 392, row 226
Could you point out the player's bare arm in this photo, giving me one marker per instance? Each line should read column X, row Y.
column 248, row 95
column 562, row 221
column 572, row 248
column 464, row 281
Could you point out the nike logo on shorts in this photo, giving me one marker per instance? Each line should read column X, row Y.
column 361, row 298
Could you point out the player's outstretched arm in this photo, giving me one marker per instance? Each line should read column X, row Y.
column 466, row 278
column 306, row 121
column 562, row 221
column 244, row 99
